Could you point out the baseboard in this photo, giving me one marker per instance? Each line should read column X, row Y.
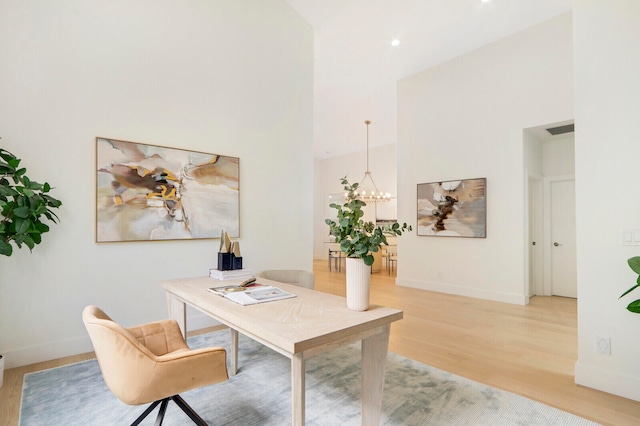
column 607, row 381
column 54, row 350
column 47, row 352
column 516, row 299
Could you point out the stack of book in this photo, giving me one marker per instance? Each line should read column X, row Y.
column 234, row 274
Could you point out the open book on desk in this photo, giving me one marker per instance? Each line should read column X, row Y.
column 251, row 294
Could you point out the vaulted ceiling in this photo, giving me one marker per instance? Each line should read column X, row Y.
column 356, row 67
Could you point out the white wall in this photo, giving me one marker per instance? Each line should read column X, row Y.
column 558, row 155
column 465, row 119
column 607, row 107
column 532, row 153
column 224, row 76
column 329, row 172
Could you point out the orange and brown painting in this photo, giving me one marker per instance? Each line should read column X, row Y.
column 146, row 192
column 454, row 208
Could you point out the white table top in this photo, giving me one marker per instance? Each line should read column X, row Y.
column 310, row 320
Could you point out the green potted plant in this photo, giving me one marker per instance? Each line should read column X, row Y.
column 634, row 264
column 358, row 240
column 24, row 204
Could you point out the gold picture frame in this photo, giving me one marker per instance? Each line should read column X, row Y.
column 149, row 193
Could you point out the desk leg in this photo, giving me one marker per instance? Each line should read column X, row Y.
column 374, row 359
column 297, row 389
column 234, row 351
column 178, row 312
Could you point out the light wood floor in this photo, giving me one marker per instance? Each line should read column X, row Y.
column 529, row 350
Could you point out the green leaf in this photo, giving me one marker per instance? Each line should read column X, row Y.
column 362, row 251
column 18, row 240
column 35, row 186
column 634, row 264
column 37, row 238
column 5, row 248
column 21, row 212
column 634, row 307
column 52, row 202
column 630, row 290
column 29, row 242
column 7, row 191
column 19, row 173
column 21, row 225
column 41, row 228
column 368, row 259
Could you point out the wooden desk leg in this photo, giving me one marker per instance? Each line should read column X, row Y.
column 374, row 359
column 178, row 312
column 234, row 351
column 297, row 389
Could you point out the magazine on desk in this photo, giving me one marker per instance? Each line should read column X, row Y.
column 251, row 294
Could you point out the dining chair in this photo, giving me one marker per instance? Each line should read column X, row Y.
column 297, row 277
column 336, row 256
column 151, row 363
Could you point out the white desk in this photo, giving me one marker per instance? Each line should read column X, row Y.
column 298, row 328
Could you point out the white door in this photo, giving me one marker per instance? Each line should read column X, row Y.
column 563, row 238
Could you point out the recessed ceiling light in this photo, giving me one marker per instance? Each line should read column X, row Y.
column 486, row 1
column 395, row 42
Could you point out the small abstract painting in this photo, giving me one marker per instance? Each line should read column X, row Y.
column 456, row 208
column 148, row 193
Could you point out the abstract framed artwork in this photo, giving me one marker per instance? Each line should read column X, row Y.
column 456, row 208
column 149, row 193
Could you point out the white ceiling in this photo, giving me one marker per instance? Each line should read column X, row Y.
column 356, row 68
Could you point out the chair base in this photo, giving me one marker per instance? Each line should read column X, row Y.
column 163, row 408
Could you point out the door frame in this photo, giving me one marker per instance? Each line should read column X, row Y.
column 548, row 180
column 534, row 187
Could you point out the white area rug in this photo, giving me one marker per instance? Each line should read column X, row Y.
column 414, row 394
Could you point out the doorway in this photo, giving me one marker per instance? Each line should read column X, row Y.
column 560, row 229
column 550, row 208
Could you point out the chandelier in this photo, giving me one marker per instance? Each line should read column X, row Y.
column 370, row 195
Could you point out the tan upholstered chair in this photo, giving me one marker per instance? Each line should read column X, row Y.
column 290, row 276
column 151, row 363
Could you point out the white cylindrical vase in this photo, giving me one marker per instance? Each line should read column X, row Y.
column 358, row 278
column 1, row 370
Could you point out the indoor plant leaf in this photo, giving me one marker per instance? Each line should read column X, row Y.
column 630, row 290
column 634, row 264
column 634, row 307
column 5, row 248
column 356, row 237
column 23, row 204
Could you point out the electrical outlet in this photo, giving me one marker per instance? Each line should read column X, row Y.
column 603, row 345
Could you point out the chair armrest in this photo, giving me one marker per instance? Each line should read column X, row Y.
column 184, row 370
column 189, row 353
